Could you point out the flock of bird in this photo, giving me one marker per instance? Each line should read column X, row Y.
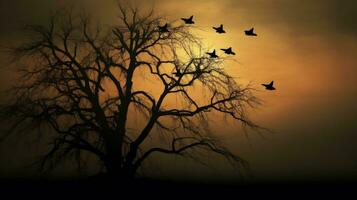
column 228, row 51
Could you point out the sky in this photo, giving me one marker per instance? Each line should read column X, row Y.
column 307, row 47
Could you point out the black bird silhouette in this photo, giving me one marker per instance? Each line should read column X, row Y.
column 228, row 51
column 269, row 86
column 188, row 20
column 213, row 54
column 250, row 32
column 163, row 28
column 219, row 29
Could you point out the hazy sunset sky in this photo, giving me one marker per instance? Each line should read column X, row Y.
column 308, row 47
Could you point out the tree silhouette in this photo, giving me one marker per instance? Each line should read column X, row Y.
column 77, row 86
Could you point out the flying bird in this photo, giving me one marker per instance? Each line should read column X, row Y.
column 250, row 32
column 269, row 86
column 188, row 20
column 219, row 29
column 213, row 54
column 163, row 29
column 228, row 51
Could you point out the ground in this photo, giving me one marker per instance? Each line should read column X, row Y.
column 157, row 189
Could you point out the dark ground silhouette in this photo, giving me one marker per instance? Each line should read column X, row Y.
column 165, row 189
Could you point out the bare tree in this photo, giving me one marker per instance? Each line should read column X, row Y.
column 78, row 86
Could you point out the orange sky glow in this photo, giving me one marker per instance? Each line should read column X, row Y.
column 313, row 110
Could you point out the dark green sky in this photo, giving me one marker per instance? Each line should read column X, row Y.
column 307, row 46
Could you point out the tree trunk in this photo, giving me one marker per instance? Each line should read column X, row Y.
column 113, row 159
column 118, row 173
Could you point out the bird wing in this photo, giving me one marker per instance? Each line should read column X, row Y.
column 271, row 83
column 221, row 26
column 191, row 17
column 251, row 30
